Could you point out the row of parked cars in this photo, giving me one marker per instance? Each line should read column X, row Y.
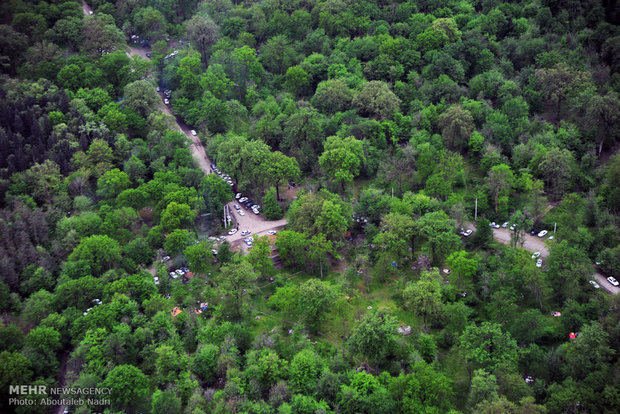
column 541, row 233
column 247, row 202
column 222, row 174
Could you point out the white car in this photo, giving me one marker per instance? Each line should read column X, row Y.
column 514, row 226
column 90, row 13
column 467, row 232
column 248, row 241
column 241, row 213
column 193, row 132
column 237, row 196
column 505, row 224
column 166, row 101
column 613, row 281
column 272, row 232
column 165, row 258
column 236, row 206
column 494, row 225
column 535, row 255
column 173, row 275
column 232, row 231
column 256, row 212
column 551, row 237
column 594, row 284
column 539, row 263
column 156, row 279
column 245, row 232
column 214, row 252
column 243, row 199
column 179, row 272
column 543, row 233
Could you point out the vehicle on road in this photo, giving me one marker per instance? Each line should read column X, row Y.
column 241, row 213
column 613, row 281
column 248, row 241
column 236, row 206
column 543, row 233
column 594, row 284
column 232, row 231
column 193, row 132
column 272, row 232
column 536, row 255
column 245, row 232
column 505, row 224
column 539, row 263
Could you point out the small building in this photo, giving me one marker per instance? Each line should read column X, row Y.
column 176, row 311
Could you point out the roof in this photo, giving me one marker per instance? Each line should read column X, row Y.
column 176, row 311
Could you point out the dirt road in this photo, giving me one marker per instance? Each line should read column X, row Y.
column 537, row 244
column 531, row 243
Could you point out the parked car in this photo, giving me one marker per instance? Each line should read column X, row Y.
column 514, row 226
column 236, row 206
column 505, row 224
column 613, row 281
column 243, row 199
column 543, row 233
column 179, row 272
column 533, row 232
column 272, row 232
column 245, row 232
column 156, row 280
column 157, row 89
column 165, row 258
column 467, row 232
column 166, row 101
column 594, row 284
column 148, row 55
column 539, row 263
column 193, row 132
column 241, row 213
column 214, row 252
column 237, row 196
column 536, row 255
column 232, row 231
column 494, row 225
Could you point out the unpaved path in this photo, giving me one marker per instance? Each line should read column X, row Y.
column 531, row 243
column 537, row 244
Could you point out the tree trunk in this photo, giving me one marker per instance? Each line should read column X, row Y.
column 277, row 192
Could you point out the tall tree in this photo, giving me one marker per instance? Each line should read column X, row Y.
column 281, row 168
column 424, row 297
column 341, row 159
column 457, row 125
column 203, row 31
column 500, row 180
column 374, row 336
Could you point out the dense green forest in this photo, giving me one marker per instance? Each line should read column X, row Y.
column 382, row 141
